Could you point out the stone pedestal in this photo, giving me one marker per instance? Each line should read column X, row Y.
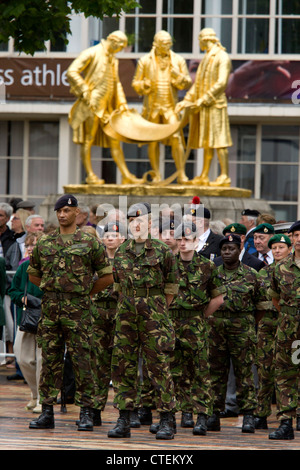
column 221, row 201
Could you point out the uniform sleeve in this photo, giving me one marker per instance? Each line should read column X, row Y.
column 171, row 274
column 101, row 262
column 216, row 287
column 34, row 267
column 273, row 290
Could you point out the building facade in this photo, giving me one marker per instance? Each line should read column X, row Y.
column 262, row 37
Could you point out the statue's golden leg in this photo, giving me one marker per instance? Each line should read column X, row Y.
column 223, row 179
column 153, row 154
column 91, row 126
column 203, row 179
column 178, row 156
column 119, row 159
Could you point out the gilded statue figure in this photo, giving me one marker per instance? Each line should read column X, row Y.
column 158, row 77
column 206, row 100
column 94, row 80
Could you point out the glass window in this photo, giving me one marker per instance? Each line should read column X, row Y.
column 244, row 144
column 140, row 33
column 181, row 30
column 287, row 39
column 178, row 6
column 43, row 139
column 279, row 182
column 222, row 7
column 253, row 35
column 285, row 213
column 222, row 27
column 254, row 7
column 288, row 7
column 147, row 6
column 280, row 144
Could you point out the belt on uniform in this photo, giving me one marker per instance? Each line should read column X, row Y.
column 62, row 295
column 142, row 291
column 106, row 304
column 184, row 313
column 232, row 314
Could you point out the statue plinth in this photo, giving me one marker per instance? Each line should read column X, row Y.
column 146, row 190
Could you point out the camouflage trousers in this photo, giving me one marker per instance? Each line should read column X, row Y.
column 143, row 329
column 190, row 366
column 265, row 362
column 65, row 324
column 287, row 367
column 232, row 337
column 102, row 344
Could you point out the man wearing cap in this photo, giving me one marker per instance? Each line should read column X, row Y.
column 232, row 334
column 280, row 245
column 245, row 256
column 200, row 294
column 28, row 205
column 63, row 264
column 249, row 218
column 262, row 234
column 105, row 303
column 145, row 276
column 285, row 294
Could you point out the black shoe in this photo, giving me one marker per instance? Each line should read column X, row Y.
column 166, row 429
column 228, row 414
column 298, row 423
column 122, row 428
column 285, row 430
column 213, row 422
column 85, row 419
column 260, row 422
column 248, row 424
column 155, row 426
column 45, row 420
column 145, row 415
column 15, row 377
column 200, row 427
column 96, row 414
column 187, row 420
column 134, row 419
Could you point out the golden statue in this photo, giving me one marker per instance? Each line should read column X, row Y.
column 207, row 102
column 94, row 80
column 158, row 77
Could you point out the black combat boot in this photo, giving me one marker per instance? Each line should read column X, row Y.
column 285, row 430
column 248, row 423
column 200, row 427
column 96, row 414
column 134, row 419
column 145, row 415
column 213, row 422
column 298, row 423
column 45, row 420
column 85, row 419
column 155, row 426
column 260, row 422
column 187, row 420
column 122, row 428
column 166, row 429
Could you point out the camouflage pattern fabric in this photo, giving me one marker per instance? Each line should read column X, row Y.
column 143, row 326
column 67, row 275
column 232, row 335
column 198, row 284
column 266, row 331
column 285, row 286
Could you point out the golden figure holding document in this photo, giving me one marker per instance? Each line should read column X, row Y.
column 158, row 77
column 206, row 100
column 94, row 80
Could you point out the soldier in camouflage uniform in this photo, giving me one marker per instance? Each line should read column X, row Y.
column 232, row 334
column 285, row 294
column 105, row 306
column 266, row 330
column 198, row 285
column 146, row 279
column 63, row 265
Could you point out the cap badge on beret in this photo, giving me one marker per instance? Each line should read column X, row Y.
column 282, row 239
column 115, row 228
column 188, row 231
column 265, row 230
column 230, row 238
column 232, row 229
column 69, row 201
column 193, row 211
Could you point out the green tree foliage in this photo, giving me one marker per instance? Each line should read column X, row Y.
column 32, row 22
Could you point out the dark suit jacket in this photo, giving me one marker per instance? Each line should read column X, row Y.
column 211, row 246
column 249, row 260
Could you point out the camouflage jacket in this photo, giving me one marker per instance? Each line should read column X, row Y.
column 285, row 283
column 244, row 290
column 154, row 266
column 265, row 274
column 198, row 284
column 70, row 266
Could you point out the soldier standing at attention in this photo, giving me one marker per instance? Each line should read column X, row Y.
column 232, row 334
column 63, row 264
column 285, row 293
column 200, row 294
column 146, row 279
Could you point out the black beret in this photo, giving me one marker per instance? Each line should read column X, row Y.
column 66, row 200
column 138, row 209
column 235, row 228
column 295, row 226
column 265, row 228
column 185, row 230
column 251, row 212
column 115, row 227
column 199, row 211
column 232, row 239
column 168, row 224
